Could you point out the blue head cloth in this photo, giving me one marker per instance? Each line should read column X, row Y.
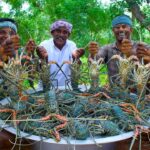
column 123, row 19
column 8, row 23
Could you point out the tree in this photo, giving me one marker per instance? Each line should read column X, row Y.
column 138, row 14
column 90, row 18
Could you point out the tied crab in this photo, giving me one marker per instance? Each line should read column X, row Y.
column 75, row 73
column 64, row 121
column 70, row 113
column 125, row 66
column 94, row 69
column 44, row 74
column 141, row 74
column 15, row 73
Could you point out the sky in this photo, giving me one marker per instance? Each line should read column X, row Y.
column 105, row 2
column 5, row 7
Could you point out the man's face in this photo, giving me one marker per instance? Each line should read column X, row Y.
column 6, row 33
column 122, row 31
column 60, row 36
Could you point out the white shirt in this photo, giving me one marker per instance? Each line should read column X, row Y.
column 54, row 54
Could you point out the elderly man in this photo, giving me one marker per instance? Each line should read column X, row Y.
column 59, row 49
column 122, row 29
column 9, row 44
column 9, row 40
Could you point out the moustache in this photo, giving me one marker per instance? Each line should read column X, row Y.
column 60, row 37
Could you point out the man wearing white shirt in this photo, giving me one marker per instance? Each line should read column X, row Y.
column 60, row 49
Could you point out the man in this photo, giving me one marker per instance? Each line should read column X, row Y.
column 9, row 40
column 9, row 44
column 124, row 46
column 60, row 49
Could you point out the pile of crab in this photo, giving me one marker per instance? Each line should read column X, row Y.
column 94, row 111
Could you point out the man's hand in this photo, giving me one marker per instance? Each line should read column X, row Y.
column 143, row 52
column 126, row 47
column 9, row 47
column 1, row 64
column 16, row 41
column 30, row 47
column 42, row 53
column 78, row 53
column 93, row 48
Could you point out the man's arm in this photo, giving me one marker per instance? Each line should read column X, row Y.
column 93, row 48
column 143, row 52
column 126, row 48
column 95, row 51
column 78, row 53
column 9, row 47
column 30, row 48
column 42, row 53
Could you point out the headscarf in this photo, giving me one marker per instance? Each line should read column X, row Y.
column 123, row 19
column 61, row 23
column 8, row 24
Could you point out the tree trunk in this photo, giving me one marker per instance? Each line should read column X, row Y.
column 135, row 9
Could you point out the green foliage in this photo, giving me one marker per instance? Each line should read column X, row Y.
column 91, row 19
